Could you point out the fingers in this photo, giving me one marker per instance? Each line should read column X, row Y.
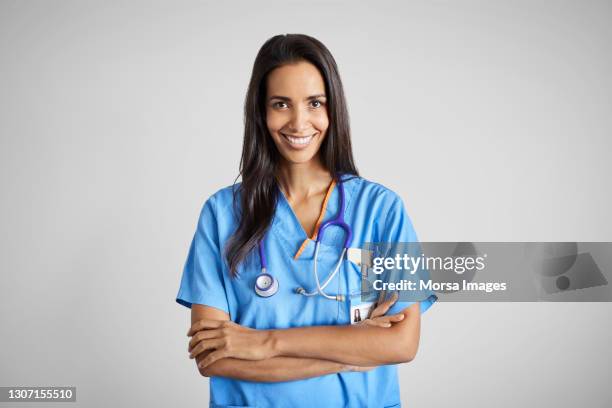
column 381, row 309
column 206, row 345
column 212, row 357
column 393, row 318
column 203, row 335
column 384, row 306
column 376, row 323
column 207, row 324
column 384, row 321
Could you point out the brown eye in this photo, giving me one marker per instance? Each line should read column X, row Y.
column 277, row 104
column 316, row 103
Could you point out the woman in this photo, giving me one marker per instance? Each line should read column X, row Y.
column 262, row 330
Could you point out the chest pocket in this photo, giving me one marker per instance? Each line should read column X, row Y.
column 359, row 287
column 348, row 281
column 353, row 277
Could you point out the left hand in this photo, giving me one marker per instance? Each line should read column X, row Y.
column 378, row 316
column 227, row 339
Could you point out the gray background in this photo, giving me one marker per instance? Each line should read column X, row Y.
column 492, row 120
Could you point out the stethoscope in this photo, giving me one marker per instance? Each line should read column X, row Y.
column 266, row 285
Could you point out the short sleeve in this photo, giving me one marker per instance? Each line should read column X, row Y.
column 202, row 280
column 398, row 228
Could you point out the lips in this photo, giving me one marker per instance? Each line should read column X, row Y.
column 298, row 141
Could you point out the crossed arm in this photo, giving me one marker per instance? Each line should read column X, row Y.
column 224, row 348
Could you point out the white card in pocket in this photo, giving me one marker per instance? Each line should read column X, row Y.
column 355, row 256
column 360, row 310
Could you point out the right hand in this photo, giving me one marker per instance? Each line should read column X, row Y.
column 378, row 318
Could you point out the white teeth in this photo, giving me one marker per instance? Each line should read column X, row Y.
column 299, row 140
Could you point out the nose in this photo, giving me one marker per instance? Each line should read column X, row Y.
column 299, row 121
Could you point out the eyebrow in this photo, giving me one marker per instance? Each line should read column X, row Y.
column 285, row 98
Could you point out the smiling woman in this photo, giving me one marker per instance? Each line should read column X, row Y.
column 263, row 346
column 297, row 125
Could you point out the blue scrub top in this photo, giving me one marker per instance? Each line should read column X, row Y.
column 375, row 214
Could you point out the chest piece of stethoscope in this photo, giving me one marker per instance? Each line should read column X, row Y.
column 265, row 284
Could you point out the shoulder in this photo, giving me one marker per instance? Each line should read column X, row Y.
column 371, row 191
column 222, row 200
column 225, row 196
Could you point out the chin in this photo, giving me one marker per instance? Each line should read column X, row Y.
column 299, row 158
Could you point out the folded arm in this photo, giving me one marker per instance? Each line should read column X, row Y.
column 274, row 369
column 355, row 345
column 360, row 345
column 269, row 370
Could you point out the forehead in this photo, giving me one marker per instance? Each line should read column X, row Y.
column 296, row 79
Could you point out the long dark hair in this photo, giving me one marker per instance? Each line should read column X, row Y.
column 260, row 158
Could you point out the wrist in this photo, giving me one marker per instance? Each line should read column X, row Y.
column 273, row 342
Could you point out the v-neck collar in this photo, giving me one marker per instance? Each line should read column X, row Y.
column 331, row 187
column 288, row 226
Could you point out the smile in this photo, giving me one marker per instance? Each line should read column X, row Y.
column 300, row 142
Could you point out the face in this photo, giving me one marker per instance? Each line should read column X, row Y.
column 296, row 111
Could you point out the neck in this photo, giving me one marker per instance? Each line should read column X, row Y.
column 303, row 180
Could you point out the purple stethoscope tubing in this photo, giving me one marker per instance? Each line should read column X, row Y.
column 338, row 221
column 262, row 256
